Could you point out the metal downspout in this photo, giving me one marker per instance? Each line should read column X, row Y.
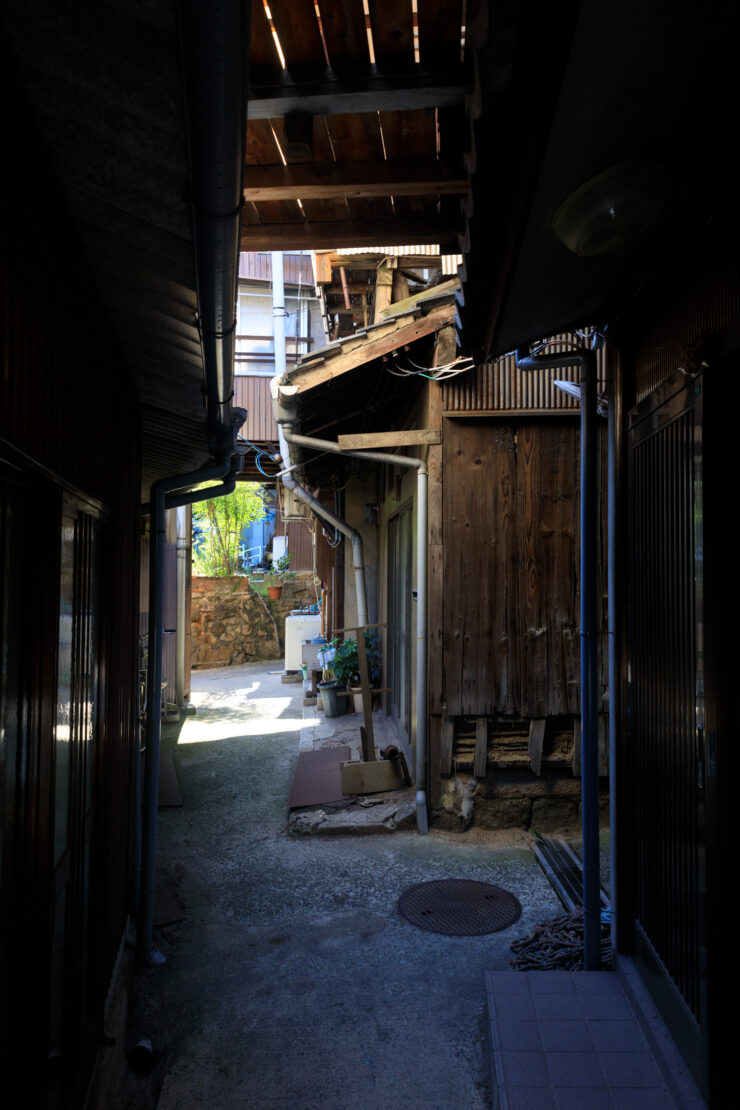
column 614, row 454
column 182, row 552
column 152, row 732
column 422, row 545
column 586, row 359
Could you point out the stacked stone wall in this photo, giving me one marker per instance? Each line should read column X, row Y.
column 233, row 624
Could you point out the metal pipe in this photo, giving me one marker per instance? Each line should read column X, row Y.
column 614, row 388
column 422, row 544
column 182, row 553
column 152, row 733
column 586, row 359
column 358, row 559
column 278, row 313
column 214, row 48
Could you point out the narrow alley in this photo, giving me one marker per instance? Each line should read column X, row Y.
column 292, row 981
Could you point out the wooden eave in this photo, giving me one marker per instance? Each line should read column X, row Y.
column 335, row 361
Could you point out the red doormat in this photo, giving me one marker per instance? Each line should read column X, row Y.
column 318, row 778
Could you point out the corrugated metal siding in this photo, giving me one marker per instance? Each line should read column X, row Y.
column 257, row 266
column 499, row 386
column 254, row 395
column 300, row 542
column 675, row 343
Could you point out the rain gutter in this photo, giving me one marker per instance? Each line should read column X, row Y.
column 214, row 53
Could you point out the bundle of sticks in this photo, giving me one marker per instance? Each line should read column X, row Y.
column 557, row 945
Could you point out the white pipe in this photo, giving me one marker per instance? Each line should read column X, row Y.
column 422, row 543
column 183, row 549
column 358, row 560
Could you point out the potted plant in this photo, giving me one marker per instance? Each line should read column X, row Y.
column 346, row 665
column 279, row 574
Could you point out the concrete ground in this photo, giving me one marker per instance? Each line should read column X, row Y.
column 292, row 982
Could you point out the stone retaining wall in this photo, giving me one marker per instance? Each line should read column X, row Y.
column 514, row 800
column 232, row 624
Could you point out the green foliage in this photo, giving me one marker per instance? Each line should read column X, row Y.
column 220, row 523
column 346, row 661
column 280, row 571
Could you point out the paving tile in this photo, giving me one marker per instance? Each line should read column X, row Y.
column 641, row 1098
column 597, row 982
column 583, row 1098
column 564, row 1007
column 551, row 982
column 507, row 982
column 600, row 1007
column 525, row 1069
column 617, row 1036
column 561, row 1036
column 530, row 1098
column 630, row 1069
column 575, row 1069
column 511, row 1007
column 519, row 1036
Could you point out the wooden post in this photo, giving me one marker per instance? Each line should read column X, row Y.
column 480, row 760
column 536, row 742
column 368, row 737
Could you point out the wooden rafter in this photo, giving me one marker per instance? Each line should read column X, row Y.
column 346, row 233
column 328, row 181
column 363, row 92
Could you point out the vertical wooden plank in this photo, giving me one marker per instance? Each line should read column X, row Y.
column 533, row 633
column 383, row 290
column 480, row 589
column 434, row 783
column 480, row 759
column 536, row 741
column 447, row 741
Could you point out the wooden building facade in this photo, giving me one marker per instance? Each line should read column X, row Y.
column 69, row 550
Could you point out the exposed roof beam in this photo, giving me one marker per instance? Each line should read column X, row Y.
column 365, row 91
column 328, row 181
column 345, row 233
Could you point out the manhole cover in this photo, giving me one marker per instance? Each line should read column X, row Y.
column 459, row 907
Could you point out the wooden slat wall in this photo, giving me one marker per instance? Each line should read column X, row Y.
column 511, row 601
column 253, row 394
column 70, row 418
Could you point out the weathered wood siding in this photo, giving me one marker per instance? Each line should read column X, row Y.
column 511, row 598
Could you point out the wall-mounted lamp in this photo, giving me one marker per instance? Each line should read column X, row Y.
column 612, row 209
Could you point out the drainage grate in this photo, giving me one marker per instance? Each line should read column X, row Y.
column 459, row 907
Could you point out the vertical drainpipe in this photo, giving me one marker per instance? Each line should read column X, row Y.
column 422, row 547
column 614, row 454
column 589, row 639
column 157, row 507
column 182, row 551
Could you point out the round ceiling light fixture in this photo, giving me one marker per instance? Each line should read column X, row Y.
column 612, row 209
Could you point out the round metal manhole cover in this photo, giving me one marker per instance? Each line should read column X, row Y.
column 459, row 907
